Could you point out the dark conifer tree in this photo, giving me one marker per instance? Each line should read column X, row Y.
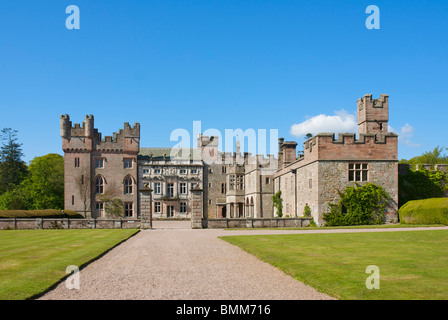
column 12, row 168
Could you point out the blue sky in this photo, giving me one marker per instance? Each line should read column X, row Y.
column 229, row 64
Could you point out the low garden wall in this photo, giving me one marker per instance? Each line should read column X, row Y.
column 66, row 223
column 256, row 223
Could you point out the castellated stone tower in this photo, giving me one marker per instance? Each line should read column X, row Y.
column 331, row 164
column 373, row 114
column 97, row 169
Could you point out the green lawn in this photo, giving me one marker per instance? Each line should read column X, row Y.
column 372, row 226
column 31, row 261
column 412, row 264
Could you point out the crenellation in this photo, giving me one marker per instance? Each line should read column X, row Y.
column 328, row 163
column 373, row 114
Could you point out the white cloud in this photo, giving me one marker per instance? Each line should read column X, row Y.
column 405, row 135
column 342, row 121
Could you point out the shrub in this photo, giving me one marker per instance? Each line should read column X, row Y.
column 307, row 211
column 426, row 211
column 358, row 205
column 277, row 202
column 49, row 213
column 421, row 184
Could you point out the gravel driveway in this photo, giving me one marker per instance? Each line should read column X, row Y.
column 174, row 262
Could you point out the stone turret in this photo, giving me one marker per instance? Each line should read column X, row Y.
column 66, row 126
column 102, row 164
column 373, row 114
column 88, row 126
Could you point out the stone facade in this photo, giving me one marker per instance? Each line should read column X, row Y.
column 236, row 185
column 329, row 164
column 96, row 168
column 160, row 181
column 171, row 178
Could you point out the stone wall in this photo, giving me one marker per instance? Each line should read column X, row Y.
column 197, row 208
column 404, row 167
column 324, row 146
column 334, row 175
column 83, row 145
column 214, row 177
column 64, row 223
column 258, row 223
column 316, row 184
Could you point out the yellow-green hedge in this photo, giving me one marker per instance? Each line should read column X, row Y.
column 49, row 213
column 426, row 211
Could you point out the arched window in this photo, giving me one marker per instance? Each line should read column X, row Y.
column 128, row 184
column 99, row 185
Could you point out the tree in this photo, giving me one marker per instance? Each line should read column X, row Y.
column 18, row 199
column 113, row 206
column 433, row 157
column 85, row 189
column 12, row 169
column 308, row 135
column 277, row 201
column 45, row 182
column 42, row 188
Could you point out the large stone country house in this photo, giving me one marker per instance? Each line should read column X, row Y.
column 235, row 185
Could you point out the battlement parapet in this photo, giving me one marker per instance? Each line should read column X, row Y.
column 207, row 141
column 367, row 101
column 373, row 114
column 86, row 137
column 350, row 138
column 404, row 168
column 261, row 159
column 346, row 146
column 426, row 166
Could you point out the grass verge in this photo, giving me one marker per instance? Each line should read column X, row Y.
column 412, row 264
column 372, row 226
column 32, row 261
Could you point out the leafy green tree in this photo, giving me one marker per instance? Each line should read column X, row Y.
column 45, row 182
column 43, row 188
column 433, row 157
column 12, row 168
column 18, row 199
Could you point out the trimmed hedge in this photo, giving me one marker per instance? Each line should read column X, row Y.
column 426, row 211
column 49, row 213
